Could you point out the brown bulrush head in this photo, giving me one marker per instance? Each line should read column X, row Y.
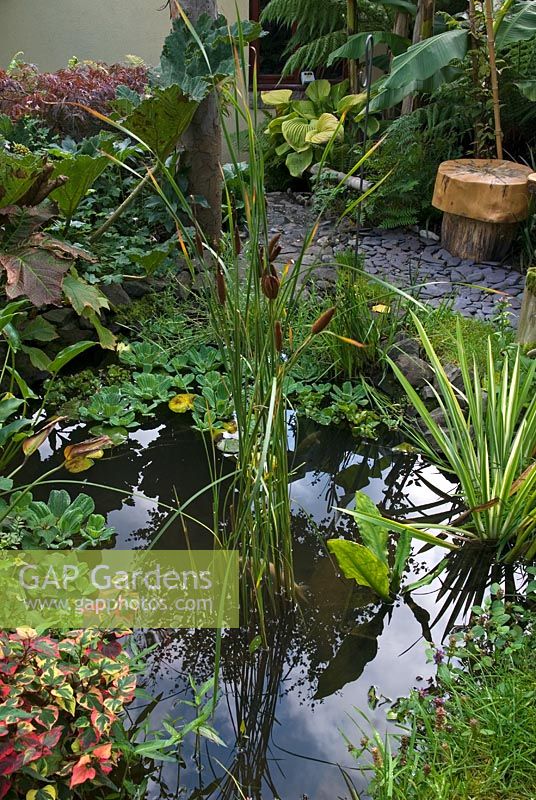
column 377, row 757
column 278, row 334
column 274, row 248
column 220, row 287
column 273, row 245
column 323, row 321
column 261, row 261
column 270, row 286
column 237, row 240
column 198, row 243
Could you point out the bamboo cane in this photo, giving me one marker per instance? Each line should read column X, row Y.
column 351, row 28
column 494, row 80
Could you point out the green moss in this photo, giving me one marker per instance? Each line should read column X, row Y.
column 70, row 391
column 164, row 318
column 530, row 281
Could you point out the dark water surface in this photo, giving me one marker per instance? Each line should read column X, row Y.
column 283, row 711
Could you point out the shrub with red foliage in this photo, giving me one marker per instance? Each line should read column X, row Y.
column 60, row 705
column 26, row 91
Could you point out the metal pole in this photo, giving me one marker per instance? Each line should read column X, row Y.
column 366, row 83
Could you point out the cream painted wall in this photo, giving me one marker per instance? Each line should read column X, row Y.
column 49, row 32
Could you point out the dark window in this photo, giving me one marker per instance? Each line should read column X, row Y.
column 270, row 51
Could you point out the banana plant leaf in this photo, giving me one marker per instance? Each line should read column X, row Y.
column 422, row 60
column 519, row 26
column 355, row 46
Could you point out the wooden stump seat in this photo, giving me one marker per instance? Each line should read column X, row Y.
column 482, row 200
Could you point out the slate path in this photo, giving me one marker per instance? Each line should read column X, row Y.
column 400, row 256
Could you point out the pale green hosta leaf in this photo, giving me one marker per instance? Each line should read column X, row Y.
column 277, row 97
column 318, row 91
column 297, row 163
column 295, row 132
column 327, row 126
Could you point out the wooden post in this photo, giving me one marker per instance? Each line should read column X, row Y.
column 203, row 141
column 526, row 331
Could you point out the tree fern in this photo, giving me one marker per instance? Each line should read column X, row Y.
column 319, row 27
column 316, row 53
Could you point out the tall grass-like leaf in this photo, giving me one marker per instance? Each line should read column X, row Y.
column 488, row 442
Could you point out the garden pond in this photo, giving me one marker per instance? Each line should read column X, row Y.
column 283, row 709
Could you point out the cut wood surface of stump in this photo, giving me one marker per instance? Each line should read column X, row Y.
column 482, row 200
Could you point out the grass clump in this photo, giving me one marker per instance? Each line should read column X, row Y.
column 441, row 327
column 469, row 733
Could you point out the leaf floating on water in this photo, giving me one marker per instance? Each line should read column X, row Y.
column 79, row 464
column 81, row 456
column 228, row 445
column 404, row 447
column 117, row 435
column 373, row 698
column 182, row 403
column 89, row 448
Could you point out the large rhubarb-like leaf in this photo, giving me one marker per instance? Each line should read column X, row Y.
column 82, row 171
column 37, row 270
column 161, row 120
column 36, row 273
column 83, row 295
column 17, row 175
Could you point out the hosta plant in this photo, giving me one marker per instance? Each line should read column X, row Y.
column 60, row 713
column 301, row 129
column 57, row 524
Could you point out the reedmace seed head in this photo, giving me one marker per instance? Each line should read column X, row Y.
column 274, row 248
column 220, row 287
column 278, row 335
column 323, row 321
column 270, row 286
column 237, row 240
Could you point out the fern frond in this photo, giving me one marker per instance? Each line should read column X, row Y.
column 314, row 54
column 312, row 18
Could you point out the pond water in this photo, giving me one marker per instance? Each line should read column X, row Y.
column 283, row 710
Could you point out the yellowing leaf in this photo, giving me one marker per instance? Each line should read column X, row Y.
column 326, row 127
column 182, row 403
column 26, row 633
column 380, row 308
column 33, row 443
column 78, row 464
column 277, row 97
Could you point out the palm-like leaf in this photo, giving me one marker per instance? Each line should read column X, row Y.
column 422, row 60
column 519, row 26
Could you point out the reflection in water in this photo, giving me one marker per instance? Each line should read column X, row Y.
column 282, row 706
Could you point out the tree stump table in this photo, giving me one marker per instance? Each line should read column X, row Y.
column 483, row 201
